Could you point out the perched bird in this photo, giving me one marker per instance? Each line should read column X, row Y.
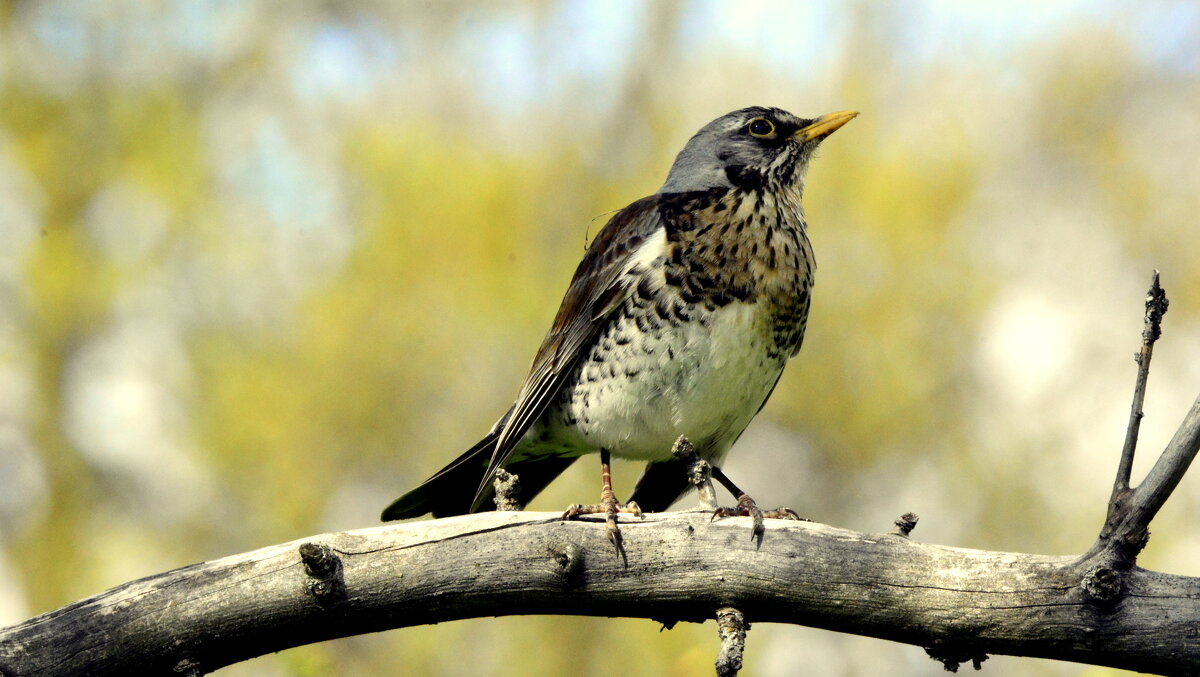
column 678, row 321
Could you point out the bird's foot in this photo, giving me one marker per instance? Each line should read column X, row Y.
column 609, row 506
column 746, row 507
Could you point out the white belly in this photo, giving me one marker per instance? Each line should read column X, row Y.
column 706, row 381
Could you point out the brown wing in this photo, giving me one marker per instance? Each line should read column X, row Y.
column 601, row 284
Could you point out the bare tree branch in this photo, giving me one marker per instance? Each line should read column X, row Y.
column 681, row 567
column 731, row 628
column 1156, row 307
column 1129, row 531
column 959, row 604
column 1126, row 526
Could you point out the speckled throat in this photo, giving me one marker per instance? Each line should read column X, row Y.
column 742, row 244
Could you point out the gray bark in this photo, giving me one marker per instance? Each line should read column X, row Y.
column 960, row 604
column 963, row 603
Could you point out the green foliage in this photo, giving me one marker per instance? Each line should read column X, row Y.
column 301, row 305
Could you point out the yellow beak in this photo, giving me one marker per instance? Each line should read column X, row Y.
column 824, row 126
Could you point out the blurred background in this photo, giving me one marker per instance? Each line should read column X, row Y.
column 264, row 266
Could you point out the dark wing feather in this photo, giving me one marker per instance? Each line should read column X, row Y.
column 447, row 492
column 600, row 285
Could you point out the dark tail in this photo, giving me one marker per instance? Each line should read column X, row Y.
column 451, row 491
column 660, row 485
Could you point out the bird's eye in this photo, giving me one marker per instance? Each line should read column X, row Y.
column 761, row 127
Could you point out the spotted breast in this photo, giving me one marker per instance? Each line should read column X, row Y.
column 678, row 320
column 719, row 304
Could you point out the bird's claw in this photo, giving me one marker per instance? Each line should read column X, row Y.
column 610, row 508
column 746, row 507
column 784, row 514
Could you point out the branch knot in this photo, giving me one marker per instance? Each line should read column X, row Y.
column 569, row 558
column 1156, row 307
column 905, row 524
column 1102, row 585
column 951, row 658
column 324, row 570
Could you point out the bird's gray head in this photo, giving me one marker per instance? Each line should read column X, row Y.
column 750, row 148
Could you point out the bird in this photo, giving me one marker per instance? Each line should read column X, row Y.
column 679, row 320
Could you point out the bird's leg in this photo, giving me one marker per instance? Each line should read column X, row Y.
column 747, row 507
column 608, row 503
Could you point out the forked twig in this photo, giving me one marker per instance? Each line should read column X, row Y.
column 1130, row 510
